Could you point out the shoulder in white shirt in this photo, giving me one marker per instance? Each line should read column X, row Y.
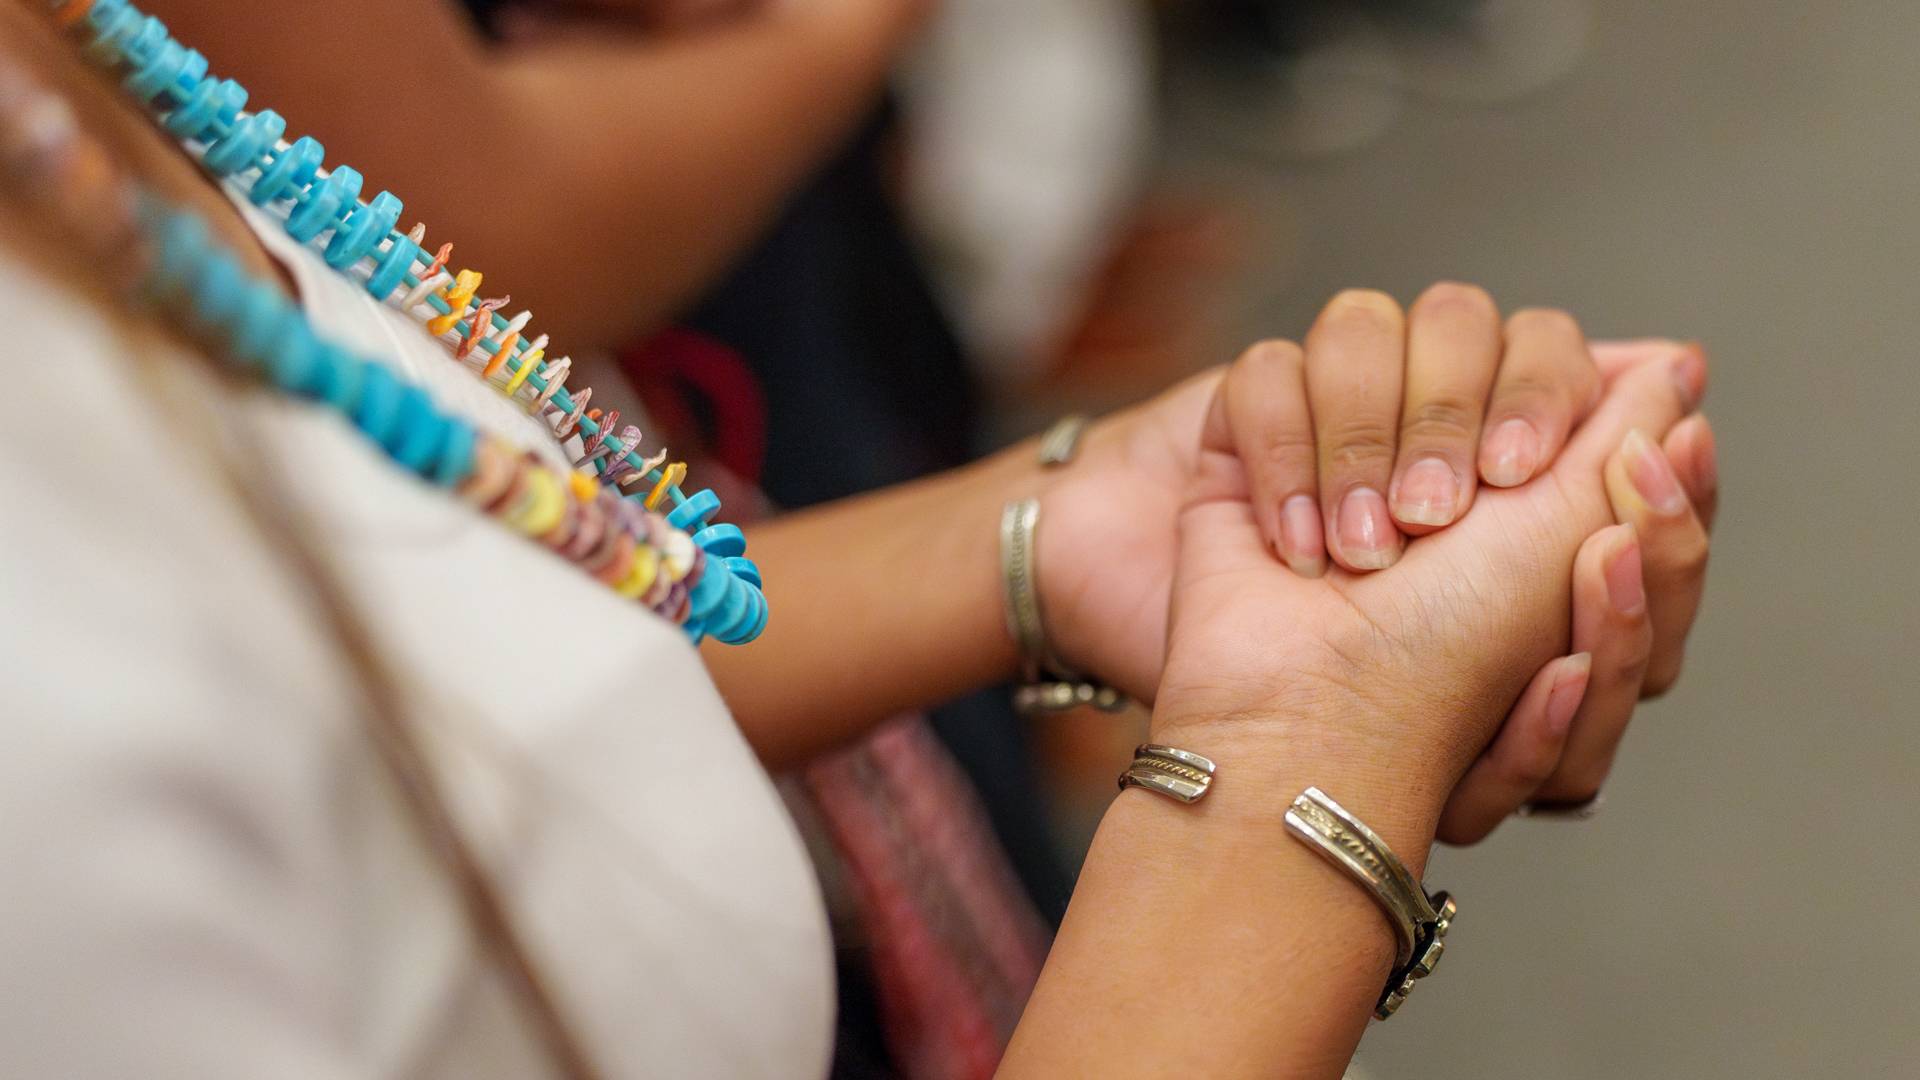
column 207, row 872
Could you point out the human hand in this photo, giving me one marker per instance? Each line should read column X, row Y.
column 1636, row 589
column 1389, row 685
column 1376, row 395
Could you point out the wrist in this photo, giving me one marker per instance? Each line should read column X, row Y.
column 985, row 488
column 1266, row 760
column 1222, row 881
column 1015, row 484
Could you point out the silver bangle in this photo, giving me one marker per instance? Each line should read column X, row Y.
column 1420, row 922
column 1061, row 443
column 1018, row 523
column 1165, row 770
column 1051, row 686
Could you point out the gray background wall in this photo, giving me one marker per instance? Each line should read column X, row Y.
column 1745, row 172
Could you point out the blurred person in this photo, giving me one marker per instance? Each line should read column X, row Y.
column 810, row 358
column 741, row 103
column 1031, row 127
column 1309, row 79
column 798, row 344
column 233, row 818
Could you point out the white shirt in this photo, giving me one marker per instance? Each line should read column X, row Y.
column 204, row 868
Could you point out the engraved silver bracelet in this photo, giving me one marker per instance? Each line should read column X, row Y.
column 1050, row 686
column 1166, row 770
column 1420, row 922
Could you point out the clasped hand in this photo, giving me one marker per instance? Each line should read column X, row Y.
column 1438, row 552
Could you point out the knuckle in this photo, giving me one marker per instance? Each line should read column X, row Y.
column 1286, row 456
column 1359, row 440
column 1456, row 298
column 1529, row 387
column 1271, row 353
column 1364, row 307
column 1543, row 322
column 1442, row 420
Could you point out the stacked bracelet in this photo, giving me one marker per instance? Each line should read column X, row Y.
column 1051, row 686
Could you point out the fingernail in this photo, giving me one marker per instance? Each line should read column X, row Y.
column 1301, row 542
column 1569, row 688
column 1652, row 475
column 1626, row 585
column 1511, row 454
column 1709, row 460
column 1428, row 493
column 1367, row 537
column 1690, row 376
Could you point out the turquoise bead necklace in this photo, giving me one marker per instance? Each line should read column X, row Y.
column 680, row 565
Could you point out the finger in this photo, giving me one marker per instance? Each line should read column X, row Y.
column 1546, row 386
column 1644, row 398
column 1610, row 622
column 1646, row 493
column 1690, row 447
column 1615, row 356
column 1266, row 402
column 1522, row 757
column 1689, row 361
column 1453, row 350
column 1355, row 356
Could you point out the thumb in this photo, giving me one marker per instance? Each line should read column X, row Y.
column 1217, row 531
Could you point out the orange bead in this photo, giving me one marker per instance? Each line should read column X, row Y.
column 72, row 12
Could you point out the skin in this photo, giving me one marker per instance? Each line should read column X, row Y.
column 1388, row 689
column 924, row 627
column 907, row 609
column 1214, row 945
column 601, row 179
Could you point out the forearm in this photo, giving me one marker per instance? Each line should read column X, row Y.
column 677, row 152
column 602, row 182
column 881, row 603
column 1203, row 940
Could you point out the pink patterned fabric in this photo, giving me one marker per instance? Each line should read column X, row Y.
column 956, row 946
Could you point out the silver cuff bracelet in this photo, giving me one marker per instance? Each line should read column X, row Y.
column 1051, row 686
column 1177, row 774
column 1420, row 922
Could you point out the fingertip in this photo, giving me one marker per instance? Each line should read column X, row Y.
column 1651, row 475
column 1362, row 537
column 1625, row 574
column 1465, row 298
column 1569, row 690
column 1617, row 356
column 1511, row 453
column 1597, row 547
column 1695, row 455
column 1689, row 373
column 1428, row 494
column 1301, row 545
